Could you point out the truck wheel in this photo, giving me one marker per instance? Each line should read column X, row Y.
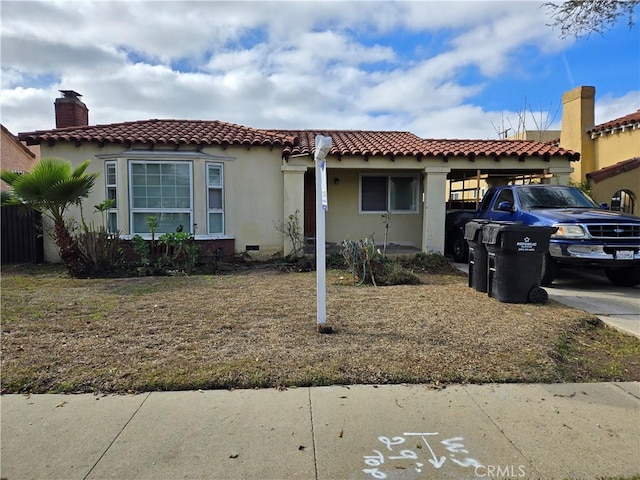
column 624, row 277
column 460, row 248
column 549, row 270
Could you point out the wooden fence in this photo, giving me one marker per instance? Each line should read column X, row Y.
column 21, row 236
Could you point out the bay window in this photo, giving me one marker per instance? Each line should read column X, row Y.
column 161, row 189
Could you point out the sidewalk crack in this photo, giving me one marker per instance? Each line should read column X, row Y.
column 313, row 436
column 116, row 437
column 501, row 430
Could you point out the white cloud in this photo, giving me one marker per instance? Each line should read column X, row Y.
column 330, row 64
column 609, row 107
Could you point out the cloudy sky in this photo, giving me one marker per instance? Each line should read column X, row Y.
column 449, row 69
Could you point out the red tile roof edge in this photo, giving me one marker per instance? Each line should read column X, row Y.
column 630, row 119
column 615, row 169
column 293, row 142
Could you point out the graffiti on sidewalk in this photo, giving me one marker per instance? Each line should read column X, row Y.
column 429, row 453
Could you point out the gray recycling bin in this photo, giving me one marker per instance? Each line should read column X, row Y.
column 477, row 254
column 514, row 261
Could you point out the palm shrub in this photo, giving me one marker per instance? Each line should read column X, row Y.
column 51, row 187
column 99, row 249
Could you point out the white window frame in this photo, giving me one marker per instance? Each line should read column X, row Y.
column 389, row 177
column 112, row 211
column 209, row 187
column 133, row 210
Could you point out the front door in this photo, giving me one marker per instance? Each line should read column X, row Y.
column 310, row 204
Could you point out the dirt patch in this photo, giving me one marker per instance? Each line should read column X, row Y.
column 257, row 328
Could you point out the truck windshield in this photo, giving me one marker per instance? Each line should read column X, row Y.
column 553, row 197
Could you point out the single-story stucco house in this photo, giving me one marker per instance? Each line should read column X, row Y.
column 231, row 185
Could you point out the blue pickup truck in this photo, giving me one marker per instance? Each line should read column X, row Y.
column 587, row 235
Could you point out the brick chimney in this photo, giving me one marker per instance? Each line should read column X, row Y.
column 578, row 116
column 70, row 111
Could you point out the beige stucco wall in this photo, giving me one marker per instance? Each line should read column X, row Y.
column 253, row 194
column 630, row 181
column 256, row 200
column 425, row 228
column 578, row 115
column 611, row 148
column 345, row 222
column 597, row 152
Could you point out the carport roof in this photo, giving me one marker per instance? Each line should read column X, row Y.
column 199, row 133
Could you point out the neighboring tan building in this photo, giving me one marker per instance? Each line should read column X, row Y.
column 15, row 156
column 536, row 135
column 608, row 151
column 617, row 185
column 231, row 185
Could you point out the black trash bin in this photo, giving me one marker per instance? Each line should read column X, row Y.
column 514, row 261
column 477, row 254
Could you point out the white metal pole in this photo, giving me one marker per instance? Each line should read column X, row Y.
column 320, row 251
column 322, row 147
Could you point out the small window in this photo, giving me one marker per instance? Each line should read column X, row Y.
column 486, row 200
column 506, row 195
column 394, row 193
column 623, row 201
column 374, row 194
column 215, row 199
column 111, row 180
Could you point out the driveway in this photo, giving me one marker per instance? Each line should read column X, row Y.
column 589, row 290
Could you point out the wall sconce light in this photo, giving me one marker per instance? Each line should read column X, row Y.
column 336, row 181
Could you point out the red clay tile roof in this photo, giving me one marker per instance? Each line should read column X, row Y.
column 614, row 170
column 371, row 143
column 633, row 119
column 292, row 142
column 162, row 132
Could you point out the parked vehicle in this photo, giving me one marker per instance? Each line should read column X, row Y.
column 588, row 235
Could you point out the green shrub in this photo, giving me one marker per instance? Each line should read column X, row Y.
column 99, row 250
column 369, row 266
column 180, row 251
column 393, row 272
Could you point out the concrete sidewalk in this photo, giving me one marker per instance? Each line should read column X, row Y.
column 398, row 431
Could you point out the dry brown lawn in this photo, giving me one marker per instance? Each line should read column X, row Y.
column 257, row 328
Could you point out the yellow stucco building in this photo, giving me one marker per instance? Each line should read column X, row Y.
column 609, row 152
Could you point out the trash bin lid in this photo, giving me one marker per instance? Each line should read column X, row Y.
column 473, row 229
column 519, row 238
column 491, row 231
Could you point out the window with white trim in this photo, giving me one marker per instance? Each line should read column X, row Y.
column 162, row 190
column 215, row 199
column 111, row 185
column 393, row 193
